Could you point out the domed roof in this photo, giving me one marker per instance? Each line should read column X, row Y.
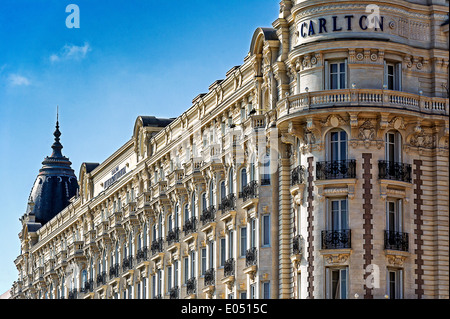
column 55, row 184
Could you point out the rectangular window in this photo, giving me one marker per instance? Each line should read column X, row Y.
column 253, row 291
column 266, row 230
column 394, row 215
column 203, row 261
column 186, row 269
column 144, row 288
column 266, row 290
column 336, row 75
column 393, row 76
column 169, row 277
column 175, row 275
column 153, row 286
column 253, row 233
column 337, row 217
column 211, row 254
column 222, row 251
column 243, row 295
column 337, row 283
column 243, row 241
column 230, row 244
column 395, row 284
column 192, row 264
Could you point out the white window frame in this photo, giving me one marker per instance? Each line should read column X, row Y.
column 343, row 271
column 398, row 283
column 327, row 69
column 397, row 75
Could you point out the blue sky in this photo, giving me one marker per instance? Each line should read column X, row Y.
column 128, row 58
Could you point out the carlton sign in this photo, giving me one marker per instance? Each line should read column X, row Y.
column 336, row 23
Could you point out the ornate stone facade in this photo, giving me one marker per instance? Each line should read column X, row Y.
column 316, row 169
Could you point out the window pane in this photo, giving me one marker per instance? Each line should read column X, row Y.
column 342, row 67
column 266, row 227
column 243, row 240
column 342, row 81
column 333, row 81
column 333, row 68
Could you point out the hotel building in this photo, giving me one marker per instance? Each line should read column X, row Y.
column 316, row 169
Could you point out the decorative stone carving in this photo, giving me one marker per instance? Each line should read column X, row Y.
column 423, row 140
column 367, row 131
column 336, row 259
column 396, row 260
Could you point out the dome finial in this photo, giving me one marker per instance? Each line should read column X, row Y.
column 57, row 145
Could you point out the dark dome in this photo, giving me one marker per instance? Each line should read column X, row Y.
column 55, row 184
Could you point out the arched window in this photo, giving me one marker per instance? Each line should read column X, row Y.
column 211, row 193
column 204, row 202
column 252, row 168
column 130, row 245
column 186, row 212
column 230, row 181
column 177, row 215
column 243, row 178
column 223, row 192
column 193, row 206
column 145, row 235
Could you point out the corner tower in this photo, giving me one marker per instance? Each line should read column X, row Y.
column 55, row 184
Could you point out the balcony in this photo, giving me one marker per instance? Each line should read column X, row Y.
column 174, row 292
column 142, row 254
column 336, row 239
column 101, row 279
column 173, row 236
column 229, row 267
column 209, row 277
column 251, row 257
column 190, row 226
column 157, row 246
column 127, row 263
column 394, row 240
column 298, row 175
column 336, row 169
column 297, row 248
column 73, row 294
column 365, row 98
column 249, row 191
column 208, row 215
column 394, row 171
column 113, row 271
column 228, row 203
column 191, row 286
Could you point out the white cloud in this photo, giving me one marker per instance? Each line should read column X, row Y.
column 71, row 52
column 18, row 80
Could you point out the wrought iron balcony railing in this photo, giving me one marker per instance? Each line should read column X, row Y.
column 173, row 236
column 191, row 286
column 101, row 279
column 208, row 215
column 228, row 269
column 251, row 257
column 127, row 263
column 73, row 294
column 209, row 277
column 297, row 245
column 142, row 254
column 394, row 171
column 336, row 239
column 113, row 271
column 174, row 292
column 228, row 203
column 157, row 246
column 298, row 175
column 396, row 240
column 190, row 226
column 336, row 169
column 249, row 191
